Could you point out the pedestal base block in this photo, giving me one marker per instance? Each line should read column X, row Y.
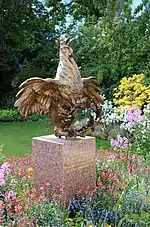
column 66, row 163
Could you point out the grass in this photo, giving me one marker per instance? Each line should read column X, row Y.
column 16, row 137
column 102, row 143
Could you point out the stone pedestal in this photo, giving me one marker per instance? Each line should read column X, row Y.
column 66, row 163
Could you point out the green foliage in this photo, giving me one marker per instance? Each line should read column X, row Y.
column 28, row 31
column 21, row 29
column 7, row 100
column 8, row 68
column 91, row 11
column 48, row 214
column 43, row 65
column 112, row 49
column 11, row 115
column 142, row 142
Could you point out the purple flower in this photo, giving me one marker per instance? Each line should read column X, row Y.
column 5, row 167
column 10, row 195
column 2, row 181
column 119, row 142
column 134, row 115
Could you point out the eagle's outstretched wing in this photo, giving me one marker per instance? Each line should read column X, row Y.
column 90, row 90
column 37, row 95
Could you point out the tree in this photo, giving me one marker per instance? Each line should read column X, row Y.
column 93, row 10
column 112, row 49
column 27, row 27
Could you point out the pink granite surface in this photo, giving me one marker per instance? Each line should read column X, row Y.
column 66, row 163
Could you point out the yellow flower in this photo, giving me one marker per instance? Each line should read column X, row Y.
column 124, row 79
column 148, row 91
column 106, row 225
column 127, row 92
column 143, row 96
column 115, row 89
column 139, row 78
column 30, row 171
column 132, row 91
column 69, row 219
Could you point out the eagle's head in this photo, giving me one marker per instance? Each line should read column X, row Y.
column 65, row 45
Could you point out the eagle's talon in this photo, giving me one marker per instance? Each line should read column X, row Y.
column 60, row 134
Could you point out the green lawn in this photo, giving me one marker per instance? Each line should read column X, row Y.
column 16, row 137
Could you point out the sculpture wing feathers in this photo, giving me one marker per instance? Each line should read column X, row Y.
column 37, row 95
column 91, row 89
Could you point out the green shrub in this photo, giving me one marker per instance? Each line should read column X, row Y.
column 7, row 100
column 11, row 115
column 36, row 117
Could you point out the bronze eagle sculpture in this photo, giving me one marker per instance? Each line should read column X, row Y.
column 62, row 96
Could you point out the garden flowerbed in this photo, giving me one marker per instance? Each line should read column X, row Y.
column 120, row 197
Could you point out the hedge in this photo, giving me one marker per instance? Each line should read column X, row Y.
column 11, row 115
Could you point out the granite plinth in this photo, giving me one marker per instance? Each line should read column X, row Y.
column 66, row 163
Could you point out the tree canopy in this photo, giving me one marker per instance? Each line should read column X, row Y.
column 115, row 47
column 28, row 29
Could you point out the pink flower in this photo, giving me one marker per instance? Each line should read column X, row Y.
column 134, row 115
column 53, row 195
column 18, row 208
column 113, row 156
column 109, row 187
column 2, row 220
column 99, row 184
column 103, row 187
column 27, row 207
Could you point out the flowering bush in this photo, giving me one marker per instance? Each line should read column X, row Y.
column 142, row 141
column 123, row 184
column 142, row 135
column 110, row 121
column 127, row 127
column 132, row 91
column 136, row 125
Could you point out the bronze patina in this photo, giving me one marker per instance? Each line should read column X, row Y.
column 62, row 96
